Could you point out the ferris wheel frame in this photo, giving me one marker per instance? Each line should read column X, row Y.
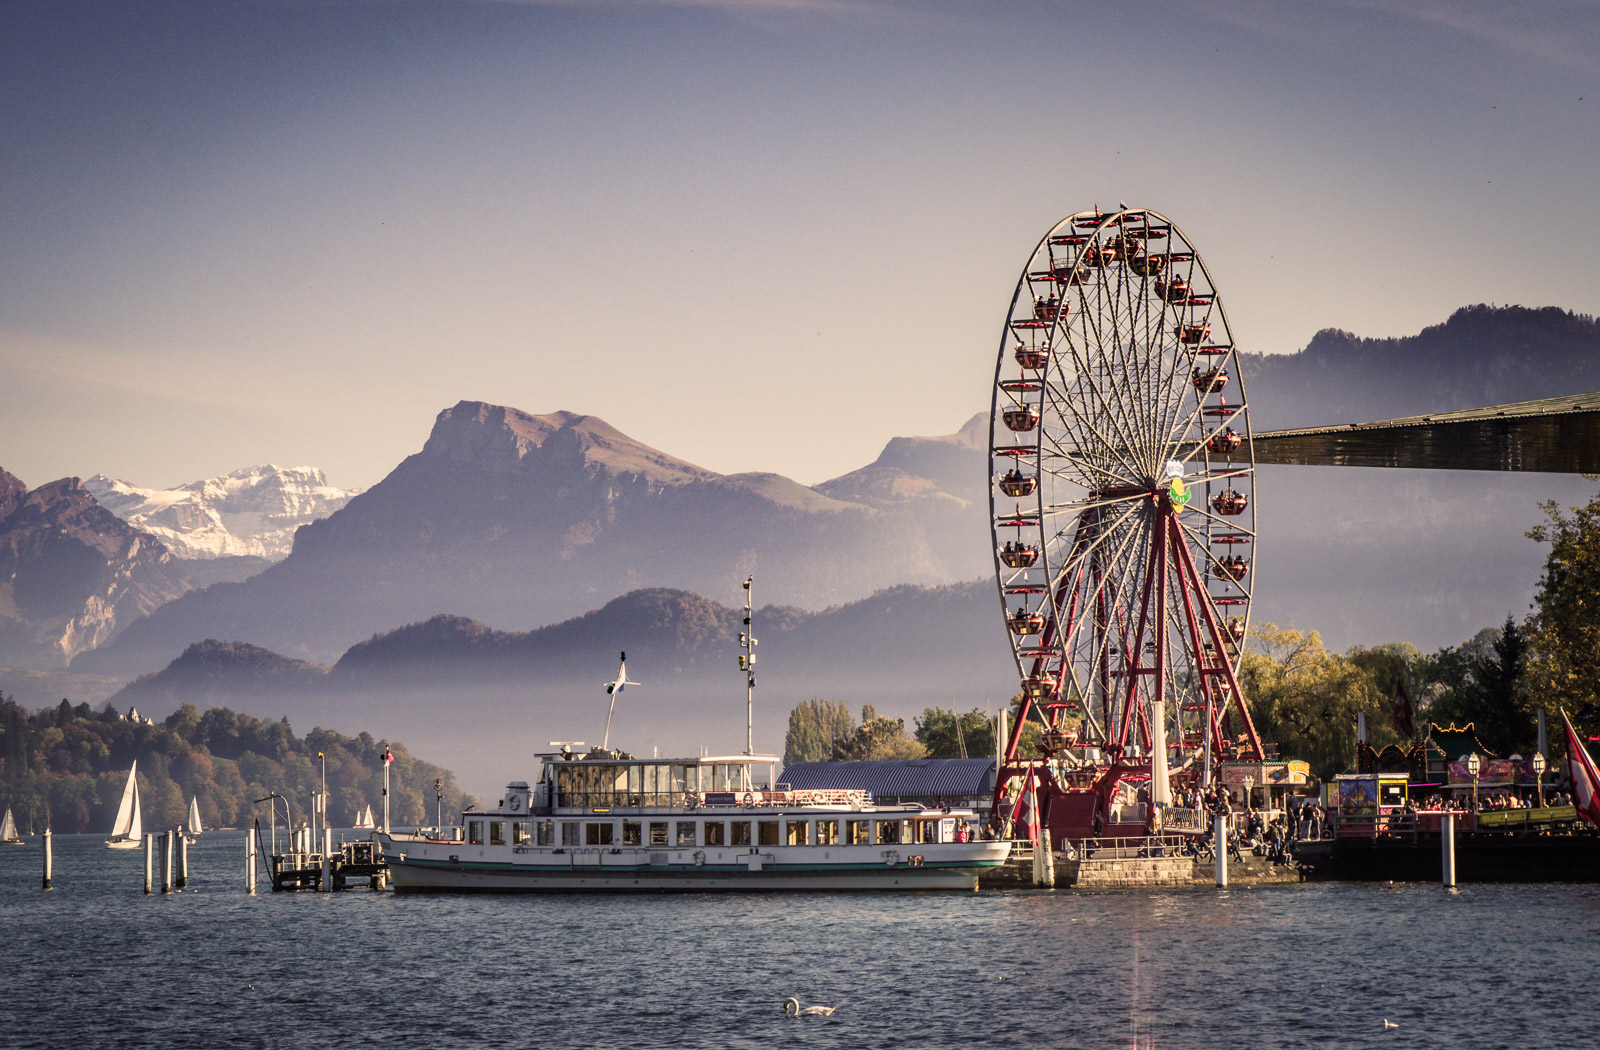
column 1122, row 354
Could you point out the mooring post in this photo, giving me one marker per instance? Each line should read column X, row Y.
column 182, row 881
column 1049, row 859
column 325, row 884
column 1447, row 847
column 166, row 862
column 46, row 839
column 1220, row 848
column 250, row 834
column 149, row 860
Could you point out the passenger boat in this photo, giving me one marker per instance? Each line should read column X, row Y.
column 606, row 821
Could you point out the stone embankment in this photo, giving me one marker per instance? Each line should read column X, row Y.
column 1101, row 873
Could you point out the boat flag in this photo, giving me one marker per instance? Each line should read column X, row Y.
column 1027, row 823
column 388, row 756
column 1585, row 778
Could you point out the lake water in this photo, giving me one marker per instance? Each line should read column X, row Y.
column 95, row 963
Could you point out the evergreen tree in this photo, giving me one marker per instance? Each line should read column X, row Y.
column 815, row 726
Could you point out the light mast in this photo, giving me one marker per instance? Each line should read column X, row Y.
column 747, row 664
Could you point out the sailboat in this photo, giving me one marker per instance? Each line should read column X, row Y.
column 129, row 828
column 194, row 830
column 364, row 819
column 8, row 831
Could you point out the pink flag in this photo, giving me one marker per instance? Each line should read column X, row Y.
column 1585, row 778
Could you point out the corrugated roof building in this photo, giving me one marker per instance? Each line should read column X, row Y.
column 931, row 781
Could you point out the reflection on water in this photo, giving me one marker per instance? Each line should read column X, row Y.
column 97, row 963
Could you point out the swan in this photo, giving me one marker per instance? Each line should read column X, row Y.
column 1389, row 1024
column 792, row 1008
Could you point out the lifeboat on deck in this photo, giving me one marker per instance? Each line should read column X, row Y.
column 1018, row 555
column 1230, row 502
column 1225, row 441
column 1210, row 379
column 1023, row 622
column 1233, row 567
column 1020, row 417
column 1016, row 483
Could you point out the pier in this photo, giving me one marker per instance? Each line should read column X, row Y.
column 333, row 870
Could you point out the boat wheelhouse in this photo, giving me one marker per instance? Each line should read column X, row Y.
column 608, row 821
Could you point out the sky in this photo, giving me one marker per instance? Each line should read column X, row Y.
column 756, row 234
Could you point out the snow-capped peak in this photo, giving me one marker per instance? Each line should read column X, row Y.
column 252, row 511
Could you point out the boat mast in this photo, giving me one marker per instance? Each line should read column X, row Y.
column 747, row 664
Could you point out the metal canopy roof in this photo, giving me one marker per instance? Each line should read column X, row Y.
column 904, row 778
column 1557, row 435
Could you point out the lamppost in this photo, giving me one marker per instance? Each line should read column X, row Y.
column 1474, row 765
column 1538, row 772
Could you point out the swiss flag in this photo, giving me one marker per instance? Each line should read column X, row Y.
column 388, row 756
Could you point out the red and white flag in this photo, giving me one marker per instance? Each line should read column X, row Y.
column 1585, row 778
column 388, row 756
column 1026, row 827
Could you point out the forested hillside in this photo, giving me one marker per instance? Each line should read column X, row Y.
column 66, row 766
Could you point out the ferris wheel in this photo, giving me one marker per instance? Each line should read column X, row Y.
column 1122, row 497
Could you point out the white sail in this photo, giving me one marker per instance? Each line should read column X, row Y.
column 194, row 816
column 364, row 818
column 128, row 824
column 8, row 828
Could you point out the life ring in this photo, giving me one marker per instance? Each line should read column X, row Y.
column 749, row 798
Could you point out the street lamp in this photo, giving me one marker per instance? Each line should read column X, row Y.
column 1474, row 766
column 1538, row 772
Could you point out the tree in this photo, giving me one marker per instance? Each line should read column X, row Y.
column 815, row 726
column 1307, row 698
column 946, row 734
column 1563, row 664
column 877, row 739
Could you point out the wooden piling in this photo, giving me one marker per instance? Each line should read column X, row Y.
column 1220, row 846
column 325, row 883
column 47, row 859
column 149, row 861
column 250, row 857
column 166, row 862
column 1447, row 847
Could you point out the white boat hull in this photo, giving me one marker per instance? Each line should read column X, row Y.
column 432, row 866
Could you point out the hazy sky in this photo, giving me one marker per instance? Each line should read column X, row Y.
column 758, row 234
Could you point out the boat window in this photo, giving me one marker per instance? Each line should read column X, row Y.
column 691, row 778
column 926, row 830
column 497, row 833
column 767, row 830
column 475, row 832
column 519, row 832
column 714, row 833
column 547, row 832
column 740, row 832
column 827, row 832
column 569, row 833
column 598, row 834
column 686, row 833
column 860, row 833
column 631, row 833
column 888, row 831
column 658, row 833
column 797, row 832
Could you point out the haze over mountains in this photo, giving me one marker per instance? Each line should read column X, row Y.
column 513, row 523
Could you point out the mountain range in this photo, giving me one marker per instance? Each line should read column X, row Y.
column 520, row 520
column 482, row 698
column 252, row 512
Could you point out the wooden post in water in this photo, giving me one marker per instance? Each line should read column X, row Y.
column 1447, row 847
column 166, row 862
column 46, row 839
column 250, row 834
column 325, row 883
column 1049, row 858
column 1220, row 848
column 182, row 881
column 149, row 860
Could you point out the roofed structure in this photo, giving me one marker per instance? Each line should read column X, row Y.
column 928, row 780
